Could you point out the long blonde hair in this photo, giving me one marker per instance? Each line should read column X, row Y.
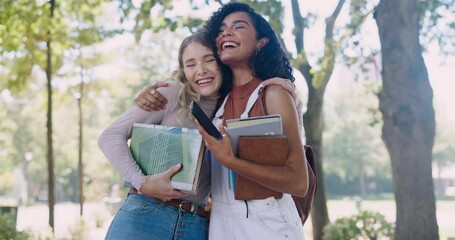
column 187, row 93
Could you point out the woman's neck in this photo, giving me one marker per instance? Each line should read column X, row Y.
column 241, row 76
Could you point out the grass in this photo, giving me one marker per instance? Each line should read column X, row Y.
column 445, row 212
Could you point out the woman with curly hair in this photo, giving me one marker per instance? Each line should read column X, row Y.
column 246, row 43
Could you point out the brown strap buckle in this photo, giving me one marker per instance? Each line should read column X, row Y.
column 183, row 210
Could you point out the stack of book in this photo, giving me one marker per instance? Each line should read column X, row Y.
column 259, row 140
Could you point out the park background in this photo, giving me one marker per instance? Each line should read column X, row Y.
column 105, row 52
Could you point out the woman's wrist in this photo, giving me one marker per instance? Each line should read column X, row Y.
column 142, row 181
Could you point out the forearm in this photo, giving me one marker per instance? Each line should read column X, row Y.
column 113, row 142
column 114, row 146
column 287, row 179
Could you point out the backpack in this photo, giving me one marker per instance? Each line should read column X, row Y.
column 303, row 204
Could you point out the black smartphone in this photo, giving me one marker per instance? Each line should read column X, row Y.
column 204, row 121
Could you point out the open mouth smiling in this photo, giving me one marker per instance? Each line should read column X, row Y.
column 229, row 44
column 204, row 81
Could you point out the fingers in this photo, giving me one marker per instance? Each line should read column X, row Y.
column 284, row 83
column 150, row 99
column 142, row 103
column 277, row 81
column 156, row 98
column 153, row 103
column 173, row 170
column 160, row 84
column 272, row 81
column 290, row 87
column 173, row 194
column 153, row 99
column 299, row 105
column 224, row 132
column 170, row 194
column 159, row 185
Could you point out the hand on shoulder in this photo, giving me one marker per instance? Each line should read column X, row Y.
column 150, row 99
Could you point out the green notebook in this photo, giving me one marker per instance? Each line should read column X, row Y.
column 156, row 148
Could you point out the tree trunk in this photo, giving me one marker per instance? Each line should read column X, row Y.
column 50, row 151
column 409, row 121
column 313, row 121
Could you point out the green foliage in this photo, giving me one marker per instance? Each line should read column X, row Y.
column 272, row 10
column 355, row 158
column 80, row 230
column 25, row 27
column 435, row 25
column 6, row 182
column 20, row 30
column 365, row 225
column 8, row 229
column 156, row 16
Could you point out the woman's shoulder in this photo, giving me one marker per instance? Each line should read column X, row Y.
column 277, row 99
column 275, row 91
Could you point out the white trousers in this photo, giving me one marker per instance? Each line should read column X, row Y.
column 268, row 218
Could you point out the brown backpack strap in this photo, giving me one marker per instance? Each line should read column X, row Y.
column 261, row 103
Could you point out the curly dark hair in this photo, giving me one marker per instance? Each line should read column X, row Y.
column 270, row 61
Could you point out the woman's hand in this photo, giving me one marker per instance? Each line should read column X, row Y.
column 150, row 99
column 221, row 149
column 159, row 185
column 289, row 86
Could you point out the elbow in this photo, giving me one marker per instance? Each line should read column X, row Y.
column 101, row 141
column 299, row 184
column 301, row 189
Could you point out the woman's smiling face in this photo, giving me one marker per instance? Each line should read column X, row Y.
column 201, row 69
column 236, row 41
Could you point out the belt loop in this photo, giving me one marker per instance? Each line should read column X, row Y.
column 162, row 204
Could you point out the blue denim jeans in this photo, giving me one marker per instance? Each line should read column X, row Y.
column 143, row 218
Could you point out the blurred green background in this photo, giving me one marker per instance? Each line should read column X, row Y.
column 105, row 52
